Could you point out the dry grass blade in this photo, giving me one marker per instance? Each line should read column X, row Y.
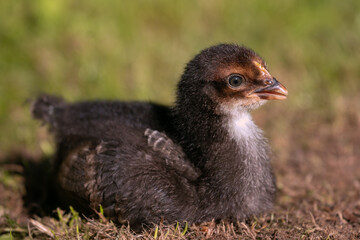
column 41, row 227
column 248, row 231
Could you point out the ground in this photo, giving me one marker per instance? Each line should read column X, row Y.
column 318, row 178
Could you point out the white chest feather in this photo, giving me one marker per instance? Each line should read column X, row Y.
column 241, row 127
column 248, row 137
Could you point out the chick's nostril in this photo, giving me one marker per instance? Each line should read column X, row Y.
column 269, row 82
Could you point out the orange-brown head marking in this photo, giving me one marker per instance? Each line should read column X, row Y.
column 262, row 70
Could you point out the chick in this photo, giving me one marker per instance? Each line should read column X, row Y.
column 201, row 159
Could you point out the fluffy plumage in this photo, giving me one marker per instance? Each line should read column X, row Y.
column 202, row 159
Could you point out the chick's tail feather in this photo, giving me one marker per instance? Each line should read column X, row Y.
column 44, row 107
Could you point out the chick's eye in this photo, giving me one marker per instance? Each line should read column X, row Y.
column 235, row 81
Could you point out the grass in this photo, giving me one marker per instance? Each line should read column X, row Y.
column 137, row 50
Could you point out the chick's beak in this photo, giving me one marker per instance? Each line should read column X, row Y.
column 276, row 91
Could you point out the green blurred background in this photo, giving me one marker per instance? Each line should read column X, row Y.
column 136, row 50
